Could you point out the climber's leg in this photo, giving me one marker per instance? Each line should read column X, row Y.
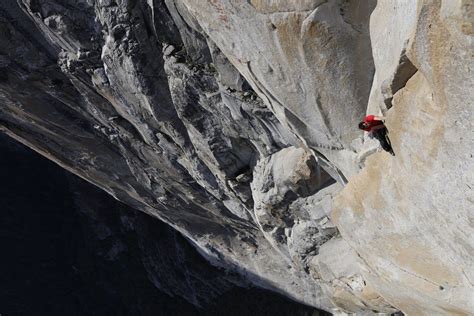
column 381, row 135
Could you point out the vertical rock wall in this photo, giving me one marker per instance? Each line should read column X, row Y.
column 416, row 208
column 236, row 123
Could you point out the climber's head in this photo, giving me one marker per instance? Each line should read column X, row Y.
column 363, row 126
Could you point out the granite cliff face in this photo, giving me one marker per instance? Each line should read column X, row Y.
column 86, row 254
column 235, row 122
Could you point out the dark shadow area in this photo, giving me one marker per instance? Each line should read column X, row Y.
column 404, row 71
column 70, row 249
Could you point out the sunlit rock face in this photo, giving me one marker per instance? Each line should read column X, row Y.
column 236, row 123
column 416, row 208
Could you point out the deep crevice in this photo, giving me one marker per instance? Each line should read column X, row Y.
column 405, row 70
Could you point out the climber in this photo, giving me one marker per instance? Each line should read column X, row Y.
column 376, row 128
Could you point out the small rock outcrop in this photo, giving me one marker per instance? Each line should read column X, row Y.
column 235, row 122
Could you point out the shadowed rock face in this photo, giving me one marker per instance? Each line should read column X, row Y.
column 88, row 254
column 236, row 123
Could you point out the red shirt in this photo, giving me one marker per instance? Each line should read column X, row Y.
column 371, row 121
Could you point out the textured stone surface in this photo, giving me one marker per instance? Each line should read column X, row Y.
column 281, row 186
column 227, row 119
column 340, row 270
column 416, row 208
column 310, row 61
column 88, row 254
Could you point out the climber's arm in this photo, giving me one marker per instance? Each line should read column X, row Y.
column 376, row 127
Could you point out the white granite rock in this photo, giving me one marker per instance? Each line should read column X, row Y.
column 232, row 121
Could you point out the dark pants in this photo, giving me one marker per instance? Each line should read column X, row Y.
column 381, row 136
